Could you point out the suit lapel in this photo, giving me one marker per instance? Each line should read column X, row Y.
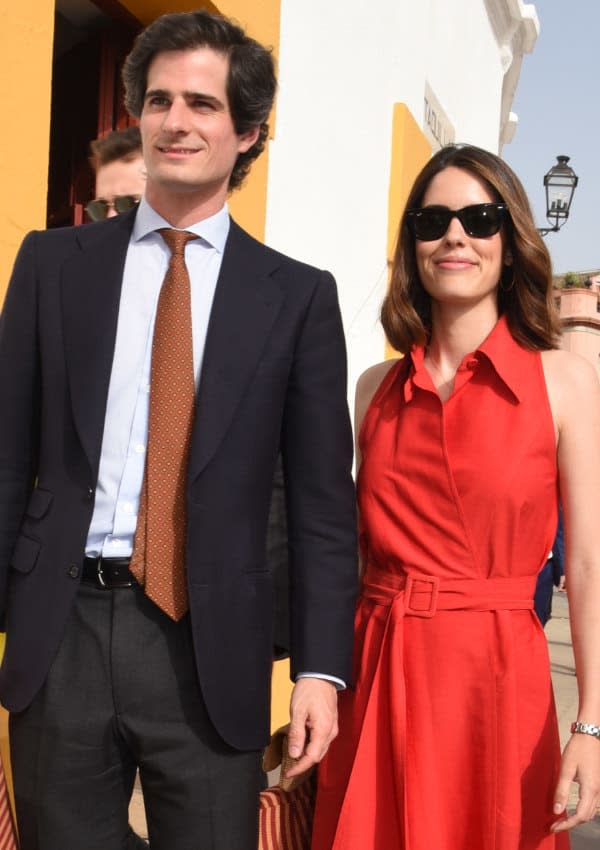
column 247, row 301
column 91, row 288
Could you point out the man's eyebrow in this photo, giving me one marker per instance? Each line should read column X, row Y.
column 189, row 95
column 207, row 98
column 155, row 93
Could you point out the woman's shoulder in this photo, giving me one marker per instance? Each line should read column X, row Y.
column 368, row 384
column 569, row 370
column 374, row 375
column 572, row 383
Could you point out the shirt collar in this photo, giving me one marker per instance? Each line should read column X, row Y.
column 506, row 356
column 213, row 230
column 499, row 348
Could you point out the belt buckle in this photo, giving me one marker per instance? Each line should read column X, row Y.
column 100, row 574
column 419, row 585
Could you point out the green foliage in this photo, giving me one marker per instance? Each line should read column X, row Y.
column 572, row 279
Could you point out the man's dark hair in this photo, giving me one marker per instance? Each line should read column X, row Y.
column 251, row 82
column 118, row 144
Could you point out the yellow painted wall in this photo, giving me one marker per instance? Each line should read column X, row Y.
column 410, row 152
column 261, row 20
column 26, row 33
column 281, row 691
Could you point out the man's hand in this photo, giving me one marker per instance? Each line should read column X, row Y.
column 313, row 726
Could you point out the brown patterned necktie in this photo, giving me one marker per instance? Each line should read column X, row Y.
column 158, row 560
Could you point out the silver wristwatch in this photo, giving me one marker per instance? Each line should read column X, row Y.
column 585, row 728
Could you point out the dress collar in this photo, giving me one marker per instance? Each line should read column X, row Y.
column 499, row 349
column 506, row 356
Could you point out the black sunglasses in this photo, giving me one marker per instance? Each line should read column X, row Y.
column 478, row 220
column 99, row 207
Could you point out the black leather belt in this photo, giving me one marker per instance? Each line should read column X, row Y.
column 107, row 573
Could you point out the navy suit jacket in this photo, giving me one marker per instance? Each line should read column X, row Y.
column 273, row 379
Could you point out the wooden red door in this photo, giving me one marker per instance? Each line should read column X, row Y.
column 87, row 102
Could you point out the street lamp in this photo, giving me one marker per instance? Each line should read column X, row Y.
column 560, row 183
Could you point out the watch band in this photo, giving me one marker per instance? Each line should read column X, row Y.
column 585, row 728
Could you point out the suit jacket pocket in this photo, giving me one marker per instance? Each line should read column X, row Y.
column 39, row 502
column 25, row 554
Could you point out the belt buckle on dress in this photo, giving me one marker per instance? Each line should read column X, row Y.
column 418, row 585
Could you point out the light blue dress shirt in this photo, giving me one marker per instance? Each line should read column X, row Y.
column 123, row 455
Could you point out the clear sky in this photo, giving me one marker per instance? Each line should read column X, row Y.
column 558, row 104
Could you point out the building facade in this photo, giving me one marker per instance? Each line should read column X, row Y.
column 578, row 301
column 367, row 91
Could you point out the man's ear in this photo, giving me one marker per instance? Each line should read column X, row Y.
column 247, row 139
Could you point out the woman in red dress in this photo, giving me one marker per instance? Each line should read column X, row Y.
column 449, row 738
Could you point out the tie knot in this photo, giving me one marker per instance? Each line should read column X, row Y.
column 176, row 239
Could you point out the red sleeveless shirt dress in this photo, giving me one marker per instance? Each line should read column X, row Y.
column 449, row 738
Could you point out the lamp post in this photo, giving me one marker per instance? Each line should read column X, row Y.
column 560, row 183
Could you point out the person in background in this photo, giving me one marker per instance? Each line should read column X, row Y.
column 449, row 738
column 552, row 575
column 118, row 164
column 152, row 367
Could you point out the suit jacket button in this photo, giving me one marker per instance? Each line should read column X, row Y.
column 90, row 494
column 73, row 571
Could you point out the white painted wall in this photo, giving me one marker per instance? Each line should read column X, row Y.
column 343, row 64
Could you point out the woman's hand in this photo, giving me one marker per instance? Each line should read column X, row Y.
column 580, row 763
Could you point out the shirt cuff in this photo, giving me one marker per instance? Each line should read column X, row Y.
column 339, row 683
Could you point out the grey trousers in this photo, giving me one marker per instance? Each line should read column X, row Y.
column 123, row 693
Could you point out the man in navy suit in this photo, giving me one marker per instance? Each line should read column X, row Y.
column 98, row 679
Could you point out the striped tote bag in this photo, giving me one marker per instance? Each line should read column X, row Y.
column 7, row 830
column 285, row 817
column 285, row 810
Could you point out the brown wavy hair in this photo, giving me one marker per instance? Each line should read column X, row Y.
column 526, row 299
column 251, row 82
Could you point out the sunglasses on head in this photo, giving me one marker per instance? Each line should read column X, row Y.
column 99, row 207
column 478, row 220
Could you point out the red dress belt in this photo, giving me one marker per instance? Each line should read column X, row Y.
column 424, row 595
